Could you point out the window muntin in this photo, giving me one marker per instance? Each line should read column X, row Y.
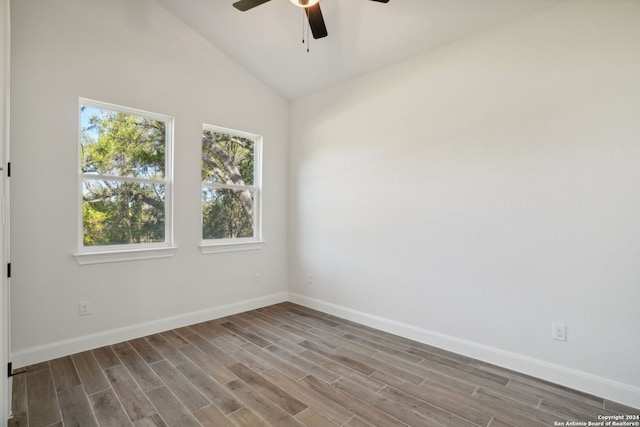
column 125, row 176
column 230, row 186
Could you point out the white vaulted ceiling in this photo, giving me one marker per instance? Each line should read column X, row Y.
column 363, row 35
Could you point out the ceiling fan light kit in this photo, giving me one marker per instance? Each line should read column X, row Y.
column 304, row 3
column 311, row 9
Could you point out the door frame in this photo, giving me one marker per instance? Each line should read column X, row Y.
column 5, row 326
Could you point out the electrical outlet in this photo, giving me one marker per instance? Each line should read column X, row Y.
column 309, row 279
column 258, row 279
column 85, row 308
column 559, row 332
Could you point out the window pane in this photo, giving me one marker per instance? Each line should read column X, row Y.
column 227, row 159
column 227, row 213
column 116, row 213
column 121, row 144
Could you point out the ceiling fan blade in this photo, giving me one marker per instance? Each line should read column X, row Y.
column 381, row 1
column 244, row 5
column 316, row 21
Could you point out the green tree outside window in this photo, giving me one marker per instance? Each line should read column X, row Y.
column 123, row 161
column 229, row 191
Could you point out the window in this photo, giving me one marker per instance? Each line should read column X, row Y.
column 125, row 183
column 230, row 190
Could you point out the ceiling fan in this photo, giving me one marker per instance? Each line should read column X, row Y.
column 311, row 8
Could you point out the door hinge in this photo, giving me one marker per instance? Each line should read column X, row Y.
column 10, row 370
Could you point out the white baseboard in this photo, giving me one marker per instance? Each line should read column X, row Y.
column 599, row 386
column 75, row 345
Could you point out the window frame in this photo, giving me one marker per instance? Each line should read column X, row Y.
column 134, row 251
column 210, row 246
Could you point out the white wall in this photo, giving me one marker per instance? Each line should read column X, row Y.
column 472, row 196
column 138, row 55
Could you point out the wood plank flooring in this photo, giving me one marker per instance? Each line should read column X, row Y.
column 287, row 365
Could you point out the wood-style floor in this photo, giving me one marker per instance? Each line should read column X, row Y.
column 286, row 365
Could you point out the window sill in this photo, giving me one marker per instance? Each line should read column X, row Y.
column 215, row 248
column 86, row 258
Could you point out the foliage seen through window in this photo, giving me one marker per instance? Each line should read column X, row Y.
column 123, row 170
column 229, row 193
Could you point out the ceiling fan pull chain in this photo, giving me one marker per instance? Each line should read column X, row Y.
column 304, row 18
column 308, row 38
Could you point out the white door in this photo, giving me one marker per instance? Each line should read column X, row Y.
column 5, row 383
